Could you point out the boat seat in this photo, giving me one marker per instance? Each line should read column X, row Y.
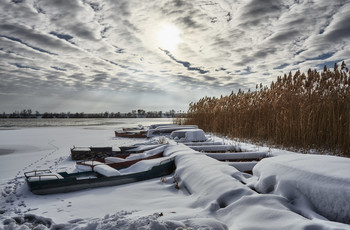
column 44, row 177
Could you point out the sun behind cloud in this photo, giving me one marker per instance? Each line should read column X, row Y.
column 168, row 37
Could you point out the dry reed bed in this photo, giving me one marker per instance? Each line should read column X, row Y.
column 308, row 111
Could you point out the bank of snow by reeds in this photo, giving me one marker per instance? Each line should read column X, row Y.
column 303, row 110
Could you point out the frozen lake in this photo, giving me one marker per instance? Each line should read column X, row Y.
column 52, row 122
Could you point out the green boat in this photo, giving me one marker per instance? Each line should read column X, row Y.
column 43, row 182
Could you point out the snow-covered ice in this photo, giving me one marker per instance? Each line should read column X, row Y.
column 289, row 191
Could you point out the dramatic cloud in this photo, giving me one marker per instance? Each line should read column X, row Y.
column 92, row 56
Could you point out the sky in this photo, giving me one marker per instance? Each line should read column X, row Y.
column 120, row 55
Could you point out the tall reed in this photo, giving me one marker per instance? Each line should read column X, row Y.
column 302, row 110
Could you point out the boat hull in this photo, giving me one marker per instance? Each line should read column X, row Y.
column 70, row 182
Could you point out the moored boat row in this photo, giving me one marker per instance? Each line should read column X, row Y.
column 108, row 166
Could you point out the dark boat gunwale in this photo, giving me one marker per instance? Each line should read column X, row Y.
column 131, row 133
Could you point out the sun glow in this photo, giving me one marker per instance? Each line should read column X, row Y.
column 168, row 37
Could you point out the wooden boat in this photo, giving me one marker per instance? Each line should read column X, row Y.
column 91, row 153
column 131, row 133
column 139, row 132
column 43, row 182
column 123, row 162
column 87, row 153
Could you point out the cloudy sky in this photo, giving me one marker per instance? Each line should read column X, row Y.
column 119, row 55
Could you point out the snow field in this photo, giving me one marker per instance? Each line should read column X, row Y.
column 203, row 193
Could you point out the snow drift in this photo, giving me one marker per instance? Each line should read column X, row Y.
column 229, row 195
column 324, row 181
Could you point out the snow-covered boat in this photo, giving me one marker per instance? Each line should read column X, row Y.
column 194, row 143
column 86, row 153
column 131, row 133
column 123, row 162
column 193, row 137
column 239, row 156
column 43, row 182
column 91, row 153
column 188, row 135
column 168, row 129
column 215, row 148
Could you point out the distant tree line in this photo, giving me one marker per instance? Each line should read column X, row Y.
column 140, row 113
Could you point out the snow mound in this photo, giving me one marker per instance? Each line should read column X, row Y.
column 215, row 183
column 147, row 153
column 106, row 170
column 142, row 147
column 173, row 150
column 243, row 166
column 324, row 181
column 144, row 165
column 227, row 194
column 28, row 221
column 266, row 212
column 188, row 135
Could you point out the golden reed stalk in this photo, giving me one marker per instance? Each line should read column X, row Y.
column 302, row 111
